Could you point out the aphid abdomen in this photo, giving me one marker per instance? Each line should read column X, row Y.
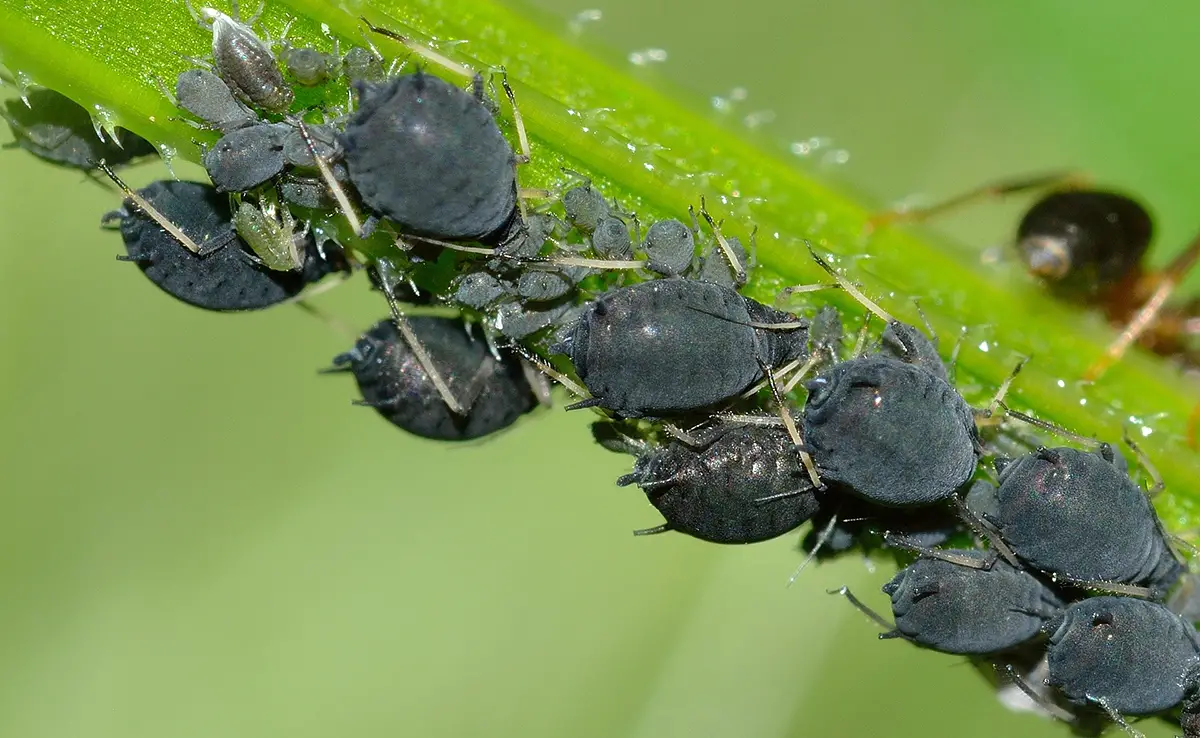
column 247, row 65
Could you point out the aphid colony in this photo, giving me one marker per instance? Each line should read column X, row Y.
column 686, row 373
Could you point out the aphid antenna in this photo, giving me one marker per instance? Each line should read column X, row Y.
column 1046, row 425
column 799, row 376
column 992, row 190
column 983, row 530
column 822, row 538
column 849, row 287
column 743, row 419
column 1009, row 672
column 952, row 364
column 1115, row 716
column 881, row 621
column 860, row 343
column 726, row 249
column 903, row 542
column 1157, row 484
column 679, row 434
column 933, row 336
column 790, row 424
column 450, row 245
column 544, row 366
column 1117, row 588
column 613, row 264
column 153, row 213
column 786, row 292
column 998, row 399
column 1169, row 280
column 787, row 325
column 421, row 50
column 334, row 187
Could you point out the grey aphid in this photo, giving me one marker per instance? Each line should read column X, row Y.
column 1079, row 515
column 393, row 381
column 226, row 279
column 517, row 321
column 585, row 207
column 716, row 268
column 246, row 63
column 964, row 610
column 1126, row 655
column 310, row 67
column 206, row 96
column 742, row 484
column 670, row 247
column 362, row 65
column 675, row 345
column 889, row 431
column 59, row 130
column 430, row 156
column 611, row 239
column 305, row 192
column 324, row 139
column 479, row 289
column 536, row 285
column 270, row 231
column 247, row 157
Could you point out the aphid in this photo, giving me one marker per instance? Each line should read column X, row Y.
column 538, row 285
column 57, row 129
column 310, row 67
column 611, row 239
column 1078, row 515
column 585, row 207
column 716, row 268
column 270, row 231
column 430, row 157
column 244, row 61
column 1124, row 655
column 517, row 321
column 362, row 65
column 247, row 157
column 741, row 484
column 889, row 427
column 965, row 610
column 325, row 145
column 392, row 380
column 670, row 247
column 1087, row 246
column 1189, row 717
column 846, row 522
column 206, row 96
column 223, row 276
column 479, row 289
column 675, row 345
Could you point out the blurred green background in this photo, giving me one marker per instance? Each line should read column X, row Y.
column 202, row 537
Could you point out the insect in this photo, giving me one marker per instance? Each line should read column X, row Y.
column 670, row 247
column 740, row 484
column 206, row 96
column 247, row 157
column 180, row 234
column 611, row 238
column 585, row 207
column 1124, row 655
column 493, row 393
column 270, row 231
column 675, row 345
column 244, row 61
column 1078, row 515
column 310, row 67
column 964, row 610
column 1087, row 246
column 431, row 157
column 57, row 129
column 362, row 65
column 889, row 427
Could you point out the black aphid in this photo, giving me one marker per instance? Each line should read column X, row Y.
column 59, row 130
column 225, row 276
column 392, row 380
column 675, row 345
column 1125, row 655
column 741, row 484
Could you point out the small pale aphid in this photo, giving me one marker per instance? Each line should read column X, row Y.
column 270, row 231
column 245, row 61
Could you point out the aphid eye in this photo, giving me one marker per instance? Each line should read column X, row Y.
column 366, row 349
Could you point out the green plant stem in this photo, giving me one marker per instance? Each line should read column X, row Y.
column 657, row 156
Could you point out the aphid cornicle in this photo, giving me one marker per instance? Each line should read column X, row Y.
column 59, row 130
column 674, row 346
column 392, row 380
column 245, row 62
column 430, row 157
column 741, row 484
column 227, row 279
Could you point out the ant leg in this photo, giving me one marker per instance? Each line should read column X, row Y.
column 425, row 52
column 989, row 191
column 152, row 212
column 1168, row 279
column 863, row 608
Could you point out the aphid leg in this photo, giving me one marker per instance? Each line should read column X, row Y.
column 849, row 287
column 653, row 531
column 1009, row 672
column 425, row 52
column 738, row 269
column 860, row 343
column 1116, row 717
column 991, row 190
column 982, row 529
column 152, row 212
column 822, row 538
column 545, row 368
column 799, row 376
column 864, row 609
column 896, row 541
column 334, row 187
column 1168, row 280
column 526, row 154
column 1119, row 588
column 933, row 336
column 790, row 424
column 952, row 364
column 1048, row 426
column 262, row 5
column 201, row 21
column 998, row 398
column 679, row 434
column 755, row 420
column 1157, row 483
column 418, row 349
